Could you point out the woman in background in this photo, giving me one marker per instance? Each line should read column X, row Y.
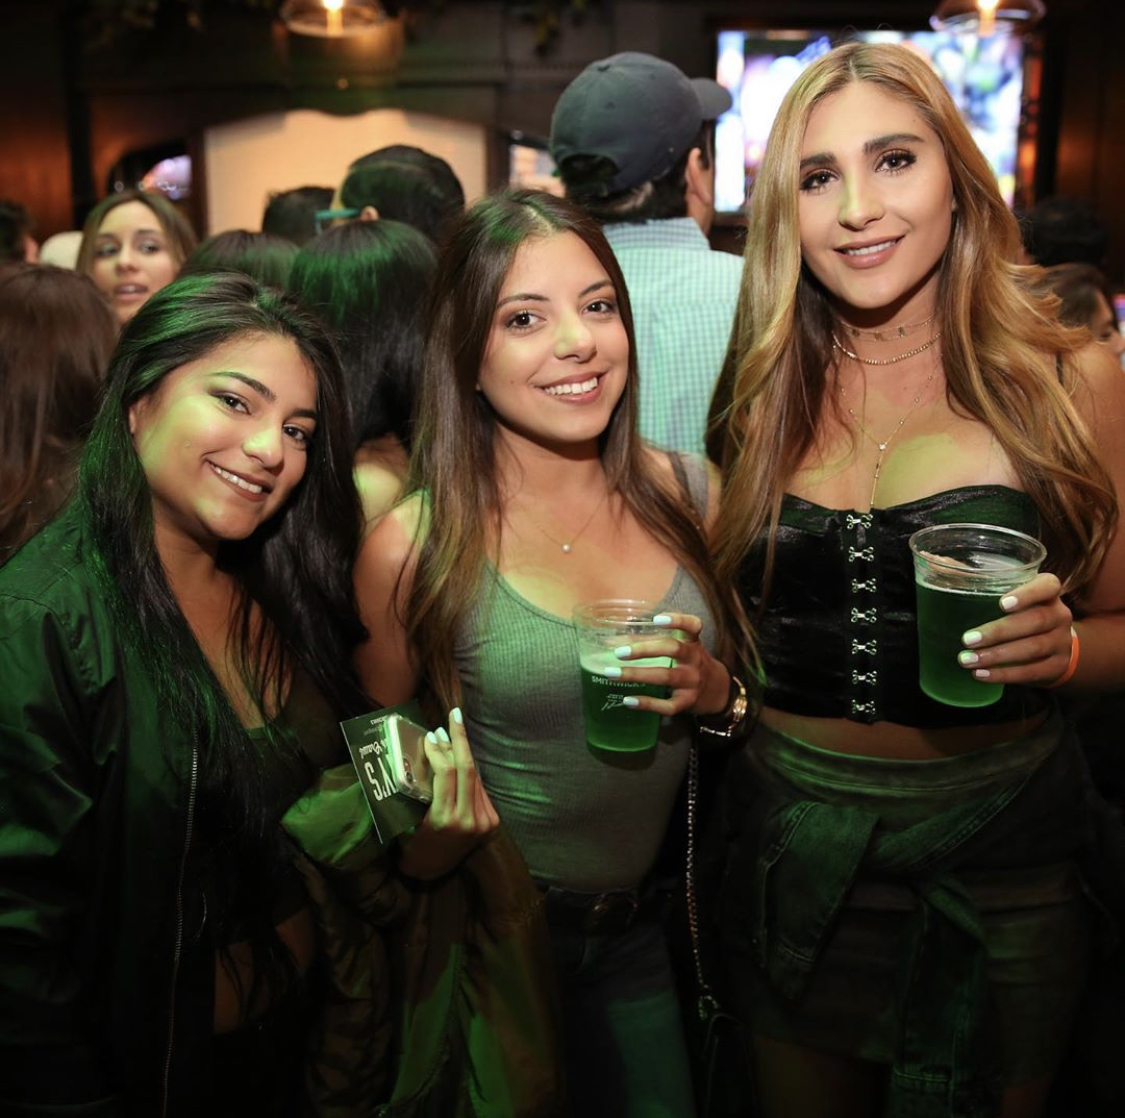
column 904, row 915
column 370, row 282
column 1085, row 300
column 133, row 244
column 56, row 335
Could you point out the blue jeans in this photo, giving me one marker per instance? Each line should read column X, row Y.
column 623, row 1043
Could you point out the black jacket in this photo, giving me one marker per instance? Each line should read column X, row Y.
column 102, row 1008
column 105, row 980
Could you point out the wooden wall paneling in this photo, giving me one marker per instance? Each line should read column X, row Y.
column 1084, row 40
column 468, row 60
column 34, row 141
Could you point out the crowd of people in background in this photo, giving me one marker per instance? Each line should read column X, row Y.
column 381, row 449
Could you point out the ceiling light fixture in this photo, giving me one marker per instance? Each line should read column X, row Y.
column 332, row 19
column 982, row 17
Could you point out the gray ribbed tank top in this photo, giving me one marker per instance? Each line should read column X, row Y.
column 583, row 818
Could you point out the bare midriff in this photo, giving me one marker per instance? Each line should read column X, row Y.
column 890, row 740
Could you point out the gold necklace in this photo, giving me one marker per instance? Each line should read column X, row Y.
column 889, row 333
column 837, row 344
column 567, row 548
column 881, row 446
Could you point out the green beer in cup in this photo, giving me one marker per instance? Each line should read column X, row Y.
column 961, row 571
column 601, row 627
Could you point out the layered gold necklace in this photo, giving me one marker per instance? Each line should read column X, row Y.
column 889, row 334
column 838, row 345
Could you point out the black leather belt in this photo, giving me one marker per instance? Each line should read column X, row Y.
column 604, row 913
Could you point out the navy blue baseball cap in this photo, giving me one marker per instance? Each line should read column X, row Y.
column 636, row 110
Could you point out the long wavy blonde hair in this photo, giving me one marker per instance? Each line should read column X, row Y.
column 1007, row 362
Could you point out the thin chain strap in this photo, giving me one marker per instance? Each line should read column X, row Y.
column 706, row 1005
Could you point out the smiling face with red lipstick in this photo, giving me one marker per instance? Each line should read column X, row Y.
column 557, row 355
column 223, row 440
column 876, row 205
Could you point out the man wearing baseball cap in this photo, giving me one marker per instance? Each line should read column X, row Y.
column 633, row 139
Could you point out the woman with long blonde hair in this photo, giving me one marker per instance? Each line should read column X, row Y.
column 890, row 921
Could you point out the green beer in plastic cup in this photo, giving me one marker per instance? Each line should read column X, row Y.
column 602, row 626
column 961, row 571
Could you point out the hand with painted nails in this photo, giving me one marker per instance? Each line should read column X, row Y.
column 461, row 814
column 1030, row 645
column 697, row 682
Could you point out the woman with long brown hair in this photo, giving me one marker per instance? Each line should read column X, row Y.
column 892, row 921
column 532, row 494
column 1085, row 299
column 56, row 336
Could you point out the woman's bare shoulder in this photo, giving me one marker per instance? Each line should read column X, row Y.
column 394, row 538
column 379, row 488
column 660, row 463
column 1099, row 392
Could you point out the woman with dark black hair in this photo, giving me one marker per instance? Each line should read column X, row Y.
column 370, row 281
column 265, row 257
column 174, row 651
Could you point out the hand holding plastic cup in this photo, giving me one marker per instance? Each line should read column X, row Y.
column 602, row 627
column 961, row 571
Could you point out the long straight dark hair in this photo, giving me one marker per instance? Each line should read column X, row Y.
column 454, row 459
column 370, row 282
column 296, row 569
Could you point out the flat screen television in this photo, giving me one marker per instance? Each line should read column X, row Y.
column 986, row 77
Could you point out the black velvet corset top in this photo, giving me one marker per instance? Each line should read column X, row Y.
column 838, row 635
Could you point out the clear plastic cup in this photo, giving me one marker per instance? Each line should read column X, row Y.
column 961, row 571
column 603, row 626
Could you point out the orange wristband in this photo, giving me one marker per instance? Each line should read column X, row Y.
column 1072, row 667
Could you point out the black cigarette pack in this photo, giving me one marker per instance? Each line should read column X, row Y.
column 395, row 812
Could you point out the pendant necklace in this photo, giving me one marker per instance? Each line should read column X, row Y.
column 881, row 446
column 568, row 547
column 888, row 333
column 838, row 345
